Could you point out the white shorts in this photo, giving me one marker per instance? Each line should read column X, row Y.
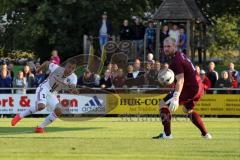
column 44, row 96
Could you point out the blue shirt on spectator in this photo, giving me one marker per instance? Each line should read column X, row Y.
column 183, row 38
column 5, row 83
column 150, row 32
column 39, row 79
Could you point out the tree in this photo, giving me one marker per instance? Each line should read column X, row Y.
column 225, row 37
column 219, row 8
column 46, row 24
column 41, row 25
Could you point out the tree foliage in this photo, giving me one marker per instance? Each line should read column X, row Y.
column 224, row 36
column 46, row 24
column 41, row 25
column 219, row 8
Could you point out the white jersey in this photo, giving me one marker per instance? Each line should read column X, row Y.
column 56, row 81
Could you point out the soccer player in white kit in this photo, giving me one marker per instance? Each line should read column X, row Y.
column 59, row 78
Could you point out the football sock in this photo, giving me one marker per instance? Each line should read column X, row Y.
column 198, row 122
column 166, row 120
column 27, row 112
column 48, row 120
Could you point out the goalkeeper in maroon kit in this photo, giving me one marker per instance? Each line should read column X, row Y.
column 188, row 90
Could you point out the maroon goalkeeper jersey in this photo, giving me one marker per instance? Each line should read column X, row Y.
column 181, row 64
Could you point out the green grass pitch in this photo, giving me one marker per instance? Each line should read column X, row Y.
column 119, row 139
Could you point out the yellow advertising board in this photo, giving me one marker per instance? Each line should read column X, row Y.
column 211, row 104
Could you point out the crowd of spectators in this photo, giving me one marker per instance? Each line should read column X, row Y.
column 137, row 31
column 134, row 75
column 229, row 78
column 145, row 76
column 137, row 74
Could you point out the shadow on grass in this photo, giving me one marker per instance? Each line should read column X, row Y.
column 30, row 130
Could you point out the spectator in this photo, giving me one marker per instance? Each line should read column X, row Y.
column 150, row 58
column 87, row 79
column 31, row 65
column 119, row 80
column 20, row 82
column 10, row 70
column 235, row 79
column 212, row 74
column 137, row 65
column 183, row 41
column 175, row 34
column 147, row 70
column 104, row 29
column 125, row 31
column 198, row 70
column 129, row 72
column 5, row 67
column 29, row 76
column 97, row 80
column 148, row 67
column 106, row 81
column 5, row 81
column 109, row 66
column 150, row 36
column 165, row 66
column 223, row 82
column 238, row 79
column 233, row 75
column 136, row 78
column 164, row 34
column 138, row 37
column 231, row 67
column 114, row 71
column 39, row 76
column 206, row 82
column 153, row 75
column 55, row 57
column 130, row 69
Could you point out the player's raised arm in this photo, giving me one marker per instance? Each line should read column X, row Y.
column 43, row 65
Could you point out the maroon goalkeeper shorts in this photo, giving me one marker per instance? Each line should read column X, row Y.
column 189, row 96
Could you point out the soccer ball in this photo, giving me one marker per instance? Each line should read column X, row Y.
column 166, row 77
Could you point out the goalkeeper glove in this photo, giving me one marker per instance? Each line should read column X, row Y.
column 173, row 102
